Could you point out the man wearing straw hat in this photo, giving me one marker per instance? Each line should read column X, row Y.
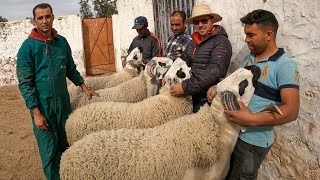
column 210, row 52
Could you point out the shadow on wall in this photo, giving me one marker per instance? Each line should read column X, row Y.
column 236, row 60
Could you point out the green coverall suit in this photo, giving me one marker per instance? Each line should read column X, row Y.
column 42, row 68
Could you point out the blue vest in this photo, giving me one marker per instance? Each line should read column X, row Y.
column 277, row 71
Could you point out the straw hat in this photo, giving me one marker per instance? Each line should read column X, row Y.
column 201, row 10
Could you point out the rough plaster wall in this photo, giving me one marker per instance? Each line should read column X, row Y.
column 128, row 10
column 116, row 42
column 296, row 153
column 12, row 35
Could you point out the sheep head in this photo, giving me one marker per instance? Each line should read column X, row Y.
column 158, row 66
column 134, row 60
column 178, row 72
column 154, row 71
column 238, row 86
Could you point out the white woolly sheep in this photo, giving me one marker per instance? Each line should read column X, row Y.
column 199, row 143
column 96, row 83
column 133, row 90
column 145, row 114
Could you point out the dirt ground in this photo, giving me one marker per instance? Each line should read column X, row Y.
column 19, row 156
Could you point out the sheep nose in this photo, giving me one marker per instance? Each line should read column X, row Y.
column 175, row 81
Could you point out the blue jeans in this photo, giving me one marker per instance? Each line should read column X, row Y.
column 245, row 161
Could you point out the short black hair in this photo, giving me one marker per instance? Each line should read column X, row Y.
column 261, row 17
column 181, row 13
column 41, row 6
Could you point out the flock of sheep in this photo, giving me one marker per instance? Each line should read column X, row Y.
column 137, row 130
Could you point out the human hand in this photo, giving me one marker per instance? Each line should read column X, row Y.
column 39, row 120
column 176, row 89
column 89, row 92
column 211, row 93
column 244, row 117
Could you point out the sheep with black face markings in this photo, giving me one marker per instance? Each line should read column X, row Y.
column 130, row 71
column 196, row 146
column 133, row 90
column 145, row 114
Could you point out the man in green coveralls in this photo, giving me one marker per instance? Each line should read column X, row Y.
column 44, row 62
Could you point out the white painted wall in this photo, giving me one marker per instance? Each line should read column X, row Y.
column 296, row 153
column 12, row 35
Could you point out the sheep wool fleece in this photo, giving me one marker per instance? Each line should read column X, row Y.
column 42, row 68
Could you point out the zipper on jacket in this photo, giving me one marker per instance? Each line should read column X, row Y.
column 51, row 76
column 46, row 42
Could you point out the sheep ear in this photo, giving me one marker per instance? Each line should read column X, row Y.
column 272, row 108
column 256, row 73
column 185, row 57
column 140, row 49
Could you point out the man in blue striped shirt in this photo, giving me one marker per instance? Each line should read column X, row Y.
column 278, row 84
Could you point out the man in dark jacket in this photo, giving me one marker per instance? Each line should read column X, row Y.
column 210, row 52
column 150, row 44
column 44, row 62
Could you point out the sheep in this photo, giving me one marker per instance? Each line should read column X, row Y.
column 145, row 114
column 129, row 71
column 133, row 90
column 199, row 143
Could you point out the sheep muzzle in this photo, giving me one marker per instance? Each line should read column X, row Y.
column 230, row 101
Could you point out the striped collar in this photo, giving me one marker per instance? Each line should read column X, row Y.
column 276, row 55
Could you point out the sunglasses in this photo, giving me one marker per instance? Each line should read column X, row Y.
column 203, row 21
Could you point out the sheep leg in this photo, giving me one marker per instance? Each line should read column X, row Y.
column 227, row 141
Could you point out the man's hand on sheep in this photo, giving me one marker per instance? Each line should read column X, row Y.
column 88, row 91
column 243, row 117
column 176, row 89
column 210, row 94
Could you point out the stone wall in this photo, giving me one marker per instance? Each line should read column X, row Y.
column 296, row 153
column 13, row 33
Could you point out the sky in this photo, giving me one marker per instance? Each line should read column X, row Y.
column 20, row 9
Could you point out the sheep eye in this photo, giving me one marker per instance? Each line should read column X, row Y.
column 162, row 64
column 135, row 57
column 180, row 73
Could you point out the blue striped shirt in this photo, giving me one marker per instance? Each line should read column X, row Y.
column 277, row 72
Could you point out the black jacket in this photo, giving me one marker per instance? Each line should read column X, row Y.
column 150, row 44
column 210, row 62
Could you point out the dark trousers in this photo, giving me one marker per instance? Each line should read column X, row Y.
column 245, row 161
column 51, row 143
